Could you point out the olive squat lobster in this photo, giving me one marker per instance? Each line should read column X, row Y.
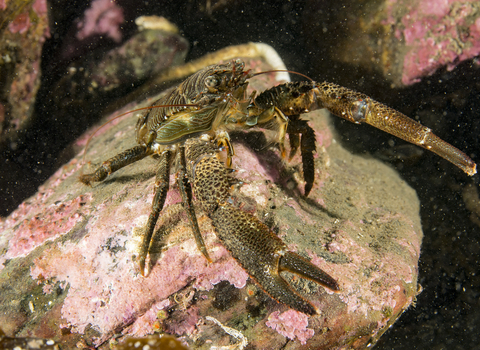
column 192, row 125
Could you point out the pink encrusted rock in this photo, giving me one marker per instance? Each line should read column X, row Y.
column 21, row 48
column 103, row 17
column 435, row 35
column 407, row 40
column 291, row 324
column 68, row 255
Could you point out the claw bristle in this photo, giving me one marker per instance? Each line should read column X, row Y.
column 86, row 179
column 141, row 266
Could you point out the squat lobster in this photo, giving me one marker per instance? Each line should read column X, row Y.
column 192, row 124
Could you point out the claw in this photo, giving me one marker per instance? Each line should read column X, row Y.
column 256, row 248
column 300, row 97
column 359, row 108
column 263, row 255
column 294, row 263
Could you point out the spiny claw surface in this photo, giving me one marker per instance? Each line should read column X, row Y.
column 294, row 99
column 263, row 255
column 359, row 108
column 258, row 250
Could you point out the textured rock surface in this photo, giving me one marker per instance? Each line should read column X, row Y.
column 404, row 40
column 24, row 29
column 68, row 253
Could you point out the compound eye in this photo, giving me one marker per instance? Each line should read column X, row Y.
column 211, row 81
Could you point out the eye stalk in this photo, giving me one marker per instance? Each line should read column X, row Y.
column 211, row 81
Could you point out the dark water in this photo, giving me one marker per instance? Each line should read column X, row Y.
column 446, row 313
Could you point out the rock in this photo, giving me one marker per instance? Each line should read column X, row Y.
column 68, row 268
column 405, row 40
column 24, row 29
column 97, row 78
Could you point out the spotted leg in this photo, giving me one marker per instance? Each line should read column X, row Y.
column 301, row 134
column 161, row 190
column 115, row 163
column 186, row 193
